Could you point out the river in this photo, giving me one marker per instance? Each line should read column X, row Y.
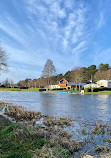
column 87, row 107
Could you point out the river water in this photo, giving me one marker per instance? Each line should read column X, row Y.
column 85, row 107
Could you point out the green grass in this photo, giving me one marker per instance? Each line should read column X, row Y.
column 22, row 141
column 17, row 141
column 35, row 89
column 55, row 91
column 98, row 93
column 50, row 91
column 62, row 152
column 17, row 89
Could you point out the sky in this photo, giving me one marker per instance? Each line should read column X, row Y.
column 70, row 32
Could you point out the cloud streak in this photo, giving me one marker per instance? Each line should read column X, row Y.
column 64, row 30
column 64, row 21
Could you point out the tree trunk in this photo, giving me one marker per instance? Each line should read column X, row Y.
column 76, row 86
column 79, row 86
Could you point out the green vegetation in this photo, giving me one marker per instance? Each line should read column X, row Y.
column 98, row 89
column 17, row 141
column 23, row 141
column 28, row 139
column 107, row 93
column 83, row 131
column 64, row 153
column 51, row 91
column 33, row 89
column 17, row 89
column 77, row 75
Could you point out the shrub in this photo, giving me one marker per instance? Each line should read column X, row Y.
column 41, row 90
column 98, row 89
column 87, row 90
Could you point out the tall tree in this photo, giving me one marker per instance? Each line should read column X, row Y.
column 103, row 67
column 67, row 75
column 59, row 77
column 3, row 58
column 27, row 81
column 91, row 70
column 12, row 84
column 48, row 71
column 6, row 83
column 102, row 75
column 77, row 76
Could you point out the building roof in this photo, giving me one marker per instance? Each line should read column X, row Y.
column 63, row 79
column 74, row 84
column 104, row 80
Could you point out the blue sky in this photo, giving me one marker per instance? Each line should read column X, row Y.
column 69, row 32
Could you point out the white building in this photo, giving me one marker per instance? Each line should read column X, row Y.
column 104, row 83
column 91, row 85
column 54, row 87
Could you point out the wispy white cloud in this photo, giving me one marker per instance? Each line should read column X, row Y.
column 79, row 47
column 103, row 53
column 63, row 30
column 101, row 20
column 63, row 21
column 57, row 27
column 9, row 26
column 76, row 53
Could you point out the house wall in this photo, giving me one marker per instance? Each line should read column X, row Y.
column 73, row 87
column 63, row 84
column 109, row 84
column 91, row 85
column 54, row 86
column 102, row 83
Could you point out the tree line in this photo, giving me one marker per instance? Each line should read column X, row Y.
column 49, row 76
column 77, row 75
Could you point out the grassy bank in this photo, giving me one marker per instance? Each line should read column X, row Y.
column 107, row 93
column 51, row 91
column 24, row 141
column 17, row 89
column 15, row 140
column 33, row 89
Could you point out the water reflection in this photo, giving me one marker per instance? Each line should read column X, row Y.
column 86, row 107
column 102, row 106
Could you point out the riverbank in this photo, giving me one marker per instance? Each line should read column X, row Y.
column 106, row 93
column 18, row 89
column 32, row 90
column 21, row 136
column 52, row 91
column 26, row 136
column 27, row 141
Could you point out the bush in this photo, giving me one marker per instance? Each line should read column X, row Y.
column 41, row 90
column 98, row 89
column 57, row 89
column 87, row 90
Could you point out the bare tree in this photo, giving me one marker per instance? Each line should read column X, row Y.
column 77, row 76
column 48, row 71
column 12, row 84
column 102, row 75
column 7, row 83
column 3, row 58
